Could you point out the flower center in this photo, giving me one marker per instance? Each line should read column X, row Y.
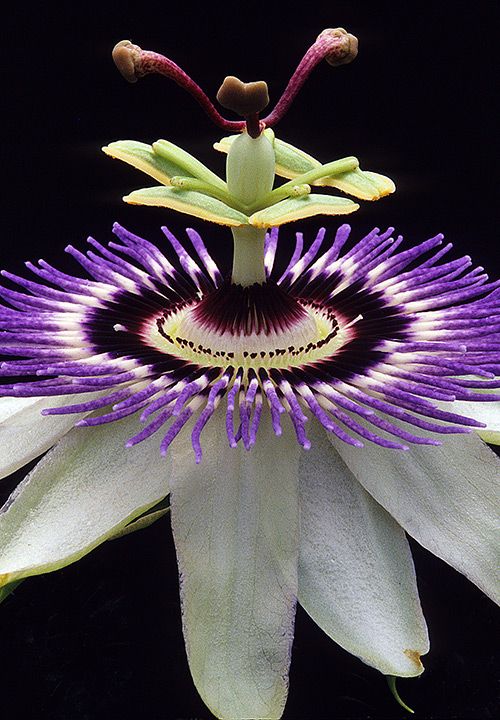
column 255, row 326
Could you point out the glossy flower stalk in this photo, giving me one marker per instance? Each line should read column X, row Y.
column 369, row 342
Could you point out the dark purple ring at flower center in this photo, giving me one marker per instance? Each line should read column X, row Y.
column 253, row 310
column 391, row 336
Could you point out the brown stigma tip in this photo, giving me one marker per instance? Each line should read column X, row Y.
column 344, row 46
column 126, row 58
column 245, row 99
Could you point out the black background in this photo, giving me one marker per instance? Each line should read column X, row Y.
column 102, row 639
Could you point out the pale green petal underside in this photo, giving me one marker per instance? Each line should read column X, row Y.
column 356, row 574
column 302, row 207
column 143, row 157
column 145, row 520
column 80, row 494
column 6, row 590
column 490, row 436
column 235, row 525
column 190, row 202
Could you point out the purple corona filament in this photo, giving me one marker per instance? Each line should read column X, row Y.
column 369, row 343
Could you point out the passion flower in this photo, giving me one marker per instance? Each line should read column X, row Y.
column 299, row 421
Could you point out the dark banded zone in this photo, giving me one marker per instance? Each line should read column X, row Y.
column 403, row 331
column 258, row 309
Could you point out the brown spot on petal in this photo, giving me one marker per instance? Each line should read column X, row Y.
column 414, row 656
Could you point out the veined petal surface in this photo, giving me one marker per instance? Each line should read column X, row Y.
column 82, row 492
column 446, row 497
column 356, row 574
column 235, row 525
column 25, row 434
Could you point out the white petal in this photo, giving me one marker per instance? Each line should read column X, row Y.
column 446, row 497
column 80, row 493
column 25, row 433
column 235, row 524
column 356, row 574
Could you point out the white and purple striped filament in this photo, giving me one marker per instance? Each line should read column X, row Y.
column 370, row 343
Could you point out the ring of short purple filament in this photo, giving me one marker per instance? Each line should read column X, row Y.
column 387, row 377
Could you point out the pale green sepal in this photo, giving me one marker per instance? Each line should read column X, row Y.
column 235, row 520
column 302, row 207
column 490, row 436
column 143, row 157
column 360, row 183
column 6, row 590
column 189, row 164
column 190, row 202
column 87, row 488
column 145, row 520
